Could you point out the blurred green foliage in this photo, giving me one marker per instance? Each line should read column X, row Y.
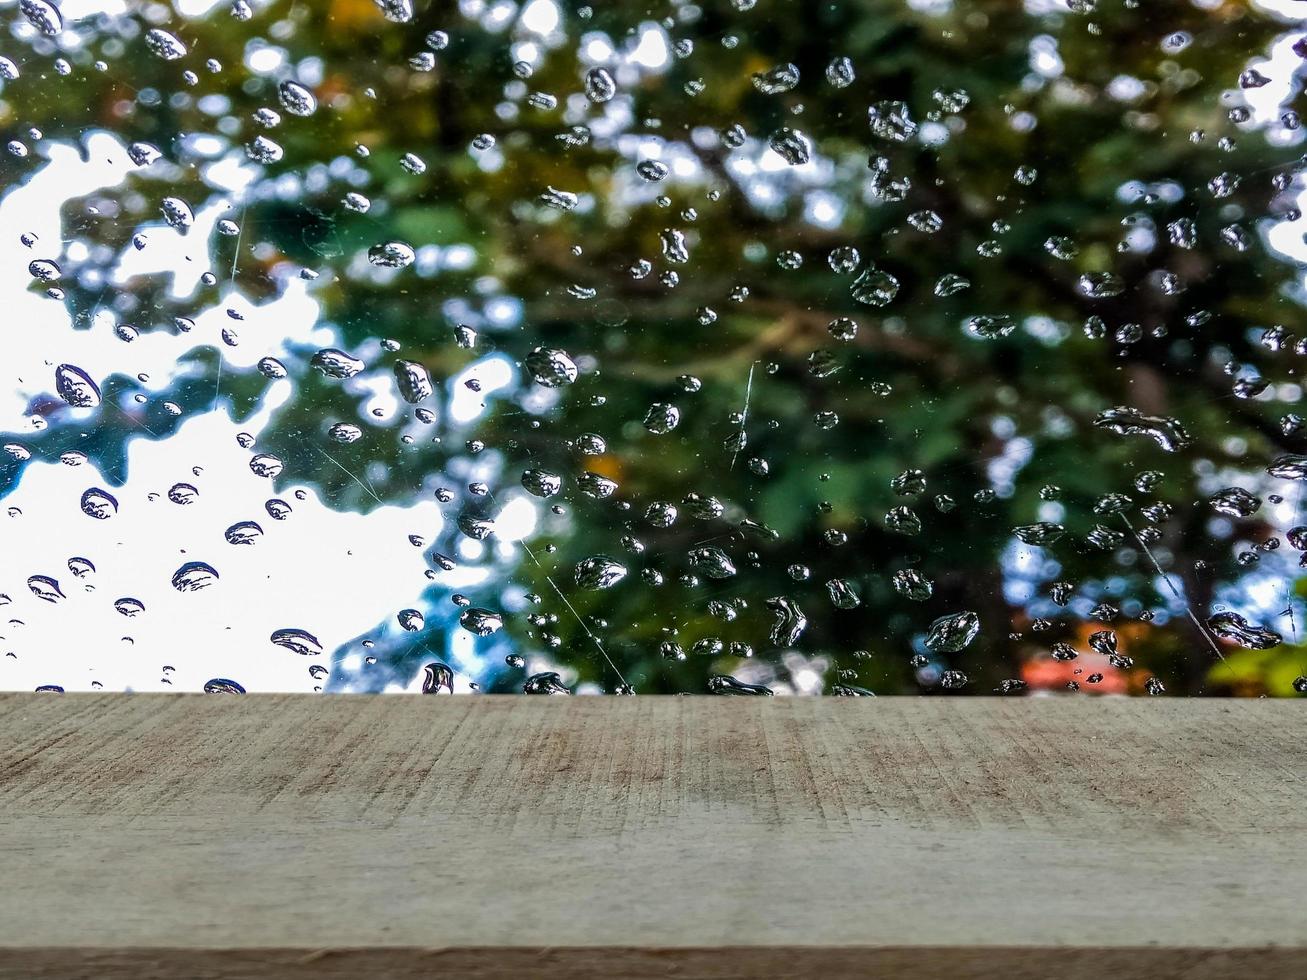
column 913, row 389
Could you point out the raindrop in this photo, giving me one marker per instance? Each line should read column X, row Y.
column 177, row 213
column 99, row 504
column 183, row 493
column 221, row 685
column 45, row 587
column 1289, row 466
column 193, row 576
column 891, row 121
column 599, row 572
column 336, row 363
column 776, row 80
column 411, row 620
column 952, row 633
column 243, row 532
column 842, row 594
column 391, row 255
column 165, row 45
column 44, row 16
column 652, row 170
column 726, row 684
column 599, row 85
column 1168, row 433
column 791, row 145
column 551, row 367
column 396, row 11
column 790, row 621
column 437, row 677
column 912, row 584
column 991, row 327
column 547, row 682
column 840, row 73
column 263, row 150
column 266, row 465
column 296, row 99
column 44, row 270
column 1100, row 285
column 413, row 381
column 1041, row 533
column 712, row 562
column 480, row 622
column 1234, row 502
column 297, row 641
column 1232, row 626
column 541, row 482
column 76, row 387
column 662, row 418
column 875, row 287
column 129, row 607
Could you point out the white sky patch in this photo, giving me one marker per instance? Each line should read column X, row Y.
column 335, row 574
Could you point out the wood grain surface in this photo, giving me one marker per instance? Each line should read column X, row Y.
column 269, row 836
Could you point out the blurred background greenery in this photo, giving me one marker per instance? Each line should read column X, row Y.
column 1048, row 142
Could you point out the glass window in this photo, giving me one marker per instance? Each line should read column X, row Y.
column 748, row 347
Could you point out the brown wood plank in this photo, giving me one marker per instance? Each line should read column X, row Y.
column 260, row 836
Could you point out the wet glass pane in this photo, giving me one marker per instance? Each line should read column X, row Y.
column 742, row 347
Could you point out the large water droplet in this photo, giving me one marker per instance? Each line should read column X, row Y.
column 167, row 46
column 1232, row 626
column 413, row 381
column 712, row 562
column 193, row 576
column 547, row 682
column 541, row 482
column 391, row 255
column 952, row 633
column 222, row 685
column 875, row 287
column 892, row 121
column 1166, row 432
column 1235, row 502
column 481, row 622
column 551, row 367
column 45, row 17
column 45, row 587
column 100, row 504
column 776, row 80
column 790, row 621
column 396, row 11
column 76, row 387
column 599, row 572
column 297, row 641
column 599, row 85
column 791, row 145
column 726, row 684
column 336, row 363
column 297, row 99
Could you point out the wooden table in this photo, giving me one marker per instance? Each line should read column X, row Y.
column 363, row 836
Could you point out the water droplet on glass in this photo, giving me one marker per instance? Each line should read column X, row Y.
column 599, row 572
column 44, row 16
column 76, row 387
column 297, row 641
column 193, row 576
column 1232, row 626
column 551, row 367
column 167, row 46
column 599, row 85
column 952, row 633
